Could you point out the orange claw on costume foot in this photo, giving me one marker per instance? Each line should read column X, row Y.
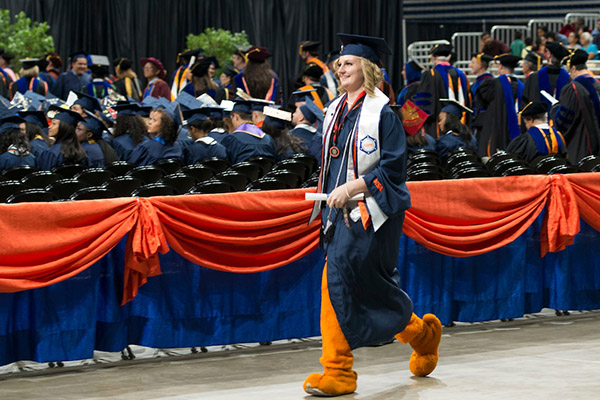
column 424, row 336
column 331, row 383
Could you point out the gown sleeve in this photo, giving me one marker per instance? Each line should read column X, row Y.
column 139, row 155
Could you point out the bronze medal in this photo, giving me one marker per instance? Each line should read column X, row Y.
column 334, row 151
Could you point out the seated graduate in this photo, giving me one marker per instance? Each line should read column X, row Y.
column 226, row 91
column 162, row 131
column 203, row 146
column 66, row 148
column 276, row 125
column 89, row 134
column 457, row 135
column 540, row 138
column 130, row 128
column 36, row 126
column 86, row 102
column 247, row 140
column 304, row 120
column 216, row 116
column 14, row 146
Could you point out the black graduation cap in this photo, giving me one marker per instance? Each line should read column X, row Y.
column 415, row 66
column 29, row 63
column 230, row 70
column 188, row 54
column 244, row 106
column 482, row 57
column 214, row 113
column 442, row 49
column 369, row 47
column 68, row 116
column 122, row 63
column 78, row 54
column 88, row 102
column 200, row 68
column 312, row 70
column 303, row 95
column 577, row 57
column 7, row 56
column 35, row 117
column 10, row 122
column 99, row 64
column 94, row 124
column 311, row 111
column 131, row 109
column 194, row 115
column 508, row 60
column 213, row 60
column 308, row 45
column 534, row 58
column 534, row 108
column 452, row 106
column 557, row 49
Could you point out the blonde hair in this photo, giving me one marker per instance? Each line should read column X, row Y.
column 371, row 72
column 30, row 72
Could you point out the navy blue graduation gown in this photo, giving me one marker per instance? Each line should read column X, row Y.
column 94, row 154
column 313, row 141
column 52, row 157
column 449, row 142
column 429, row 145
column 244, row 143
column 151, row 151
column 9, row 160
column 218, row 134
column 69, row 81
column 38, row 146
column 363, row 282
column 123, row 145
column 204, row 148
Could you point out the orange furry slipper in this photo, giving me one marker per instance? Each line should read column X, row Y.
column 424, row 336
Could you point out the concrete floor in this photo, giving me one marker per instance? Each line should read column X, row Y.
column 539, row 356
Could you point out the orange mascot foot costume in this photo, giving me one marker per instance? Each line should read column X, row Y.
column 338, row 378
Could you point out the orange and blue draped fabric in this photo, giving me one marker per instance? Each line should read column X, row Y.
column 256, row 231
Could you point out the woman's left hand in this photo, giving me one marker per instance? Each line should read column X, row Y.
column 341, row 194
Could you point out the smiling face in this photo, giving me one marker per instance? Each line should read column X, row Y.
column 350, row 73
column 79, row 65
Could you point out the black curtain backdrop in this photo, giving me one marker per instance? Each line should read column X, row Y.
column 141, row 28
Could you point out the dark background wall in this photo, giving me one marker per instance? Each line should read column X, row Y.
column 140, row 28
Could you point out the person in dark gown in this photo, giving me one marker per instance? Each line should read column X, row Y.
column 361, row 300
column 539, row 138
column 550, row 78
column 456, row 134
column 36, row 126
column 412, row 76
column 14, row 145
column 276, row 124
column 305, row 120
column 130, row 129
column 203, row 146
column 66, row 149
column 163, row 133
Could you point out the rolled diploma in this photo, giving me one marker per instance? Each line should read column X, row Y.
column 323, row 196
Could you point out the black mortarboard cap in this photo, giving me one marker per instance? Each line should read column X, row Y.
column 188, row 54
column 577, row 57
column 508, row 60
column 442, row 49
column 415, row 66
column 68, row 116
column 241, row 105
column 94, row 124
column 452, row 106
column 194, row 115
column 123, row 63
column 35, row 117
column 482, row 57
column 311, row 111
column 10, row 122
column 534, row 108
column 313, row 70
column 332, row 56
column 230, row 71
column 308, row 45
column 29, row 63
column 534, row 58
column 88, row 102
column 200, row 68
column 214, row 113
column 369, row 47
column 213, row 60
column 6, row 55
column 557, row 49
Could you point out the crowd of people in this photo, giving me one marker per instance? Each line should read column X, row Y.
column 98, row 111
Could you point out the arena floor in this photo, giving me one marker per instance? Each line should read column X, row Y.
column 540, row 356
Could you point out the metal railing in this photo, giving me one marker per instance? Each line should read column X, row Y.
column 589, row 18
column 419, row 51
column 506, row 33
column 553, row 25
column 465, row 44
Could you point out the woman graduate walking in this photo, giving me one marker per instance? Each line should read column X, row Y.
column 364, row 152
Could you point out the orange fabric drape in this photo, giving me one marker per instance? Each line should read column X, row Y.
column 468, row 217
column 239, row 232
column 45, row 243
column 586, row 188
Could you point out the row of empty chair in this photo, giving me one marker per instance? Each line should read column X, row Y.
column 465, row 163
column 166, row 177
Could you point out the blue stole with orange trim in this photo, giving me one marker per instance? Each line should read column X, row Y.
column 544, row 83
column 544, row 139
column 509, row 102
